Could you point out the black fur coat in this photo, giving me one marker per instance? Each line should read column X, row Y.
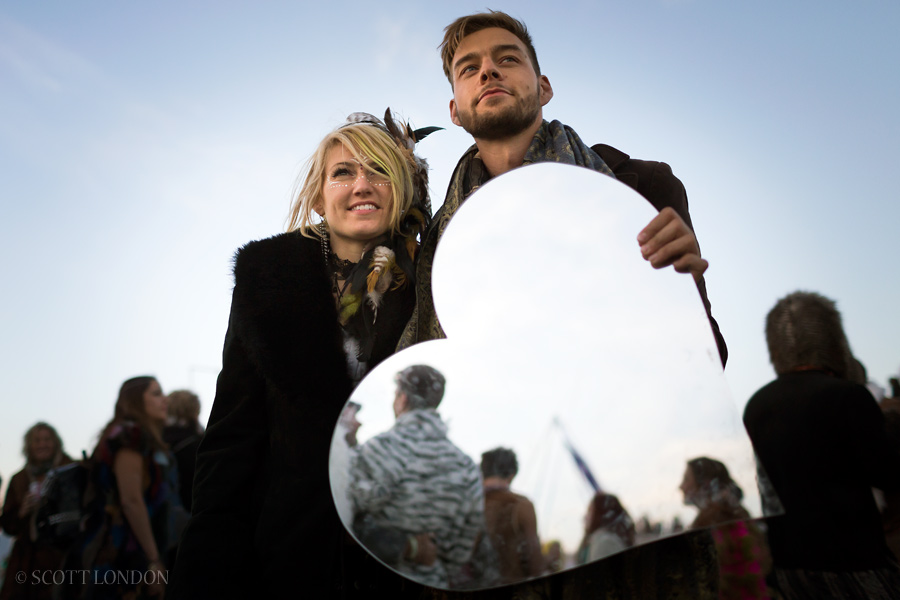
column 263, row 523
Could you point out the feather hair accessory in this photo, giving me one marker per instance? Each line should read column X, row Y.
column 418, row 217
column 390, row 264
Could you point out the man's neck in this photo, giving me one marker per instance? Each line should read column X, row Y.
column 500, row 156
column 496, row 483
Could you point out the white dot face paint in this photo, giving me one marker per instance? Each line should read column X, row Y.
column 348, row 172
column 356, row 202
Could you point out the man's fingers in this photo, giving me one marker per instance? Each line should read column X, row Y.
column 655, row 225
column 671, row 232
column 693, row 264
column 673, row 251
column 667, row 240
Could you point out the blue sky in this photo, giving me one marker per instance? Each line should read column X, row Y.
column 141, row 144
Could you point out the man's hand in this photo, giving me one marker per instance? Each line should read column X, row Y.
column 421, row 549
column 667, row 240
column 32, row 499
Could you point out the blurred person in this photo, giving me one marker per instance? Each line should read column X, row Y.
column 890, row 512
column 821, row 440
column 412, row 478
column 182, row 434
column 553, row 556
column 136, row 480
column 43, row 450
column 510, row 519
column 339, row 463
column 743, row 555
column 389, row 544
column 708, row 485
column 860, row 375
column 608, row 529
column 312, row 311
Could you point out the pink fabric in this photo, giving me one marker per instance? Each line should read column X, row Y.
column 741, row 574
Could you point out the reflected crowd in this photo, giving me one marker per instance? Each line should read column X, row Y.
column 828, row 461
column 828, row 470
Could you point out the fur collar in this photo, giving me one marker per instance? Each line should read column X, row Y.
column 283, row 314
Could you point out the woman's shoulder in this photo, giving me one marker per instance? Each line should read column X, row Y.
column 275, row 276
column 282, row 249
column 719, row 512
column 602, row 543
column 605, row 536
column 20, row 480
column 121, row 435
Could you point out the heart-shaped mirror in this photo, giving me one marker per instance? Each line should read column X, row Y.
column 570, row 364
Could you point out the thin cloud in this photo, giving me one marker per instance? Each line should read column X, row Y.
column 37, row 61
column 402, row 43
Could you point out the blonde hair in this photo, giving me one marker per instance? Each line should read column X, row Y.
column 184, row 405
column 361, row 140
column 32, row 433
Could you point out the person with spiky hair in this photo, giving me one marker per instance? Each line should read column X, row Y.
column 821, row 441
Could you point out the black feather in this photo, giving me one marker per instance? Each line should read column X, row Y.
column 419, row 134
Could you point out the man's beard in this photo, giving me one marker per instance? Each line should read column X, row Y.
column 504, row 123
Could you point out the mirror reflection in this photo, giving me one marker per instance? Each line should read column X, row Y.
column 578, row 407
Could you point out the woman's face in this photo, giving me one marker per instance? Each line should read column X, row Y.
column 156, row 405
column 43, row 446
column 356, row 203
column 688, row 487
column 589, row 517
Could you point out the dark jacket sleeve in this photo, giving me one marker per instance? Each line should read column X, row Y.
column 867, row 434
column 656, row 182
column 216, row 557
column 9, row 520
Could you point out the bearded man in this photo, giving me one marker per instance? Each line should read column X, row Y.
column 498, row 97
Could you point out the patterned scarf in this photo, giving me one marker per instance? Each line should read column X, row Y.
column 553, row 142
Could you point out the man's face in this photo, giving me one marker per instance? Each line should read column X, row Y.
column 399, row 402
column 496, row 92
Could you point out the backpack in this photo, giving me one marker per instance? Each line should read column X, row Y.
column 65, row 504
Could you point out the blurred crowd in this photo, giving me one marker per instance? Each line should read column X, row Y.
column 105, row 526
column 828, row 458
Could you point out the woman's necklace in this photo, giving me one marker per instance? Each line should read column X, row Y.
column 340, row 270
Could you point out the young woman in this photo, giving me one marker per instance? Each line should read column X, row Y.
column 608, row 529
column 741, row 548
column 135, row 478
column 312, row 310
